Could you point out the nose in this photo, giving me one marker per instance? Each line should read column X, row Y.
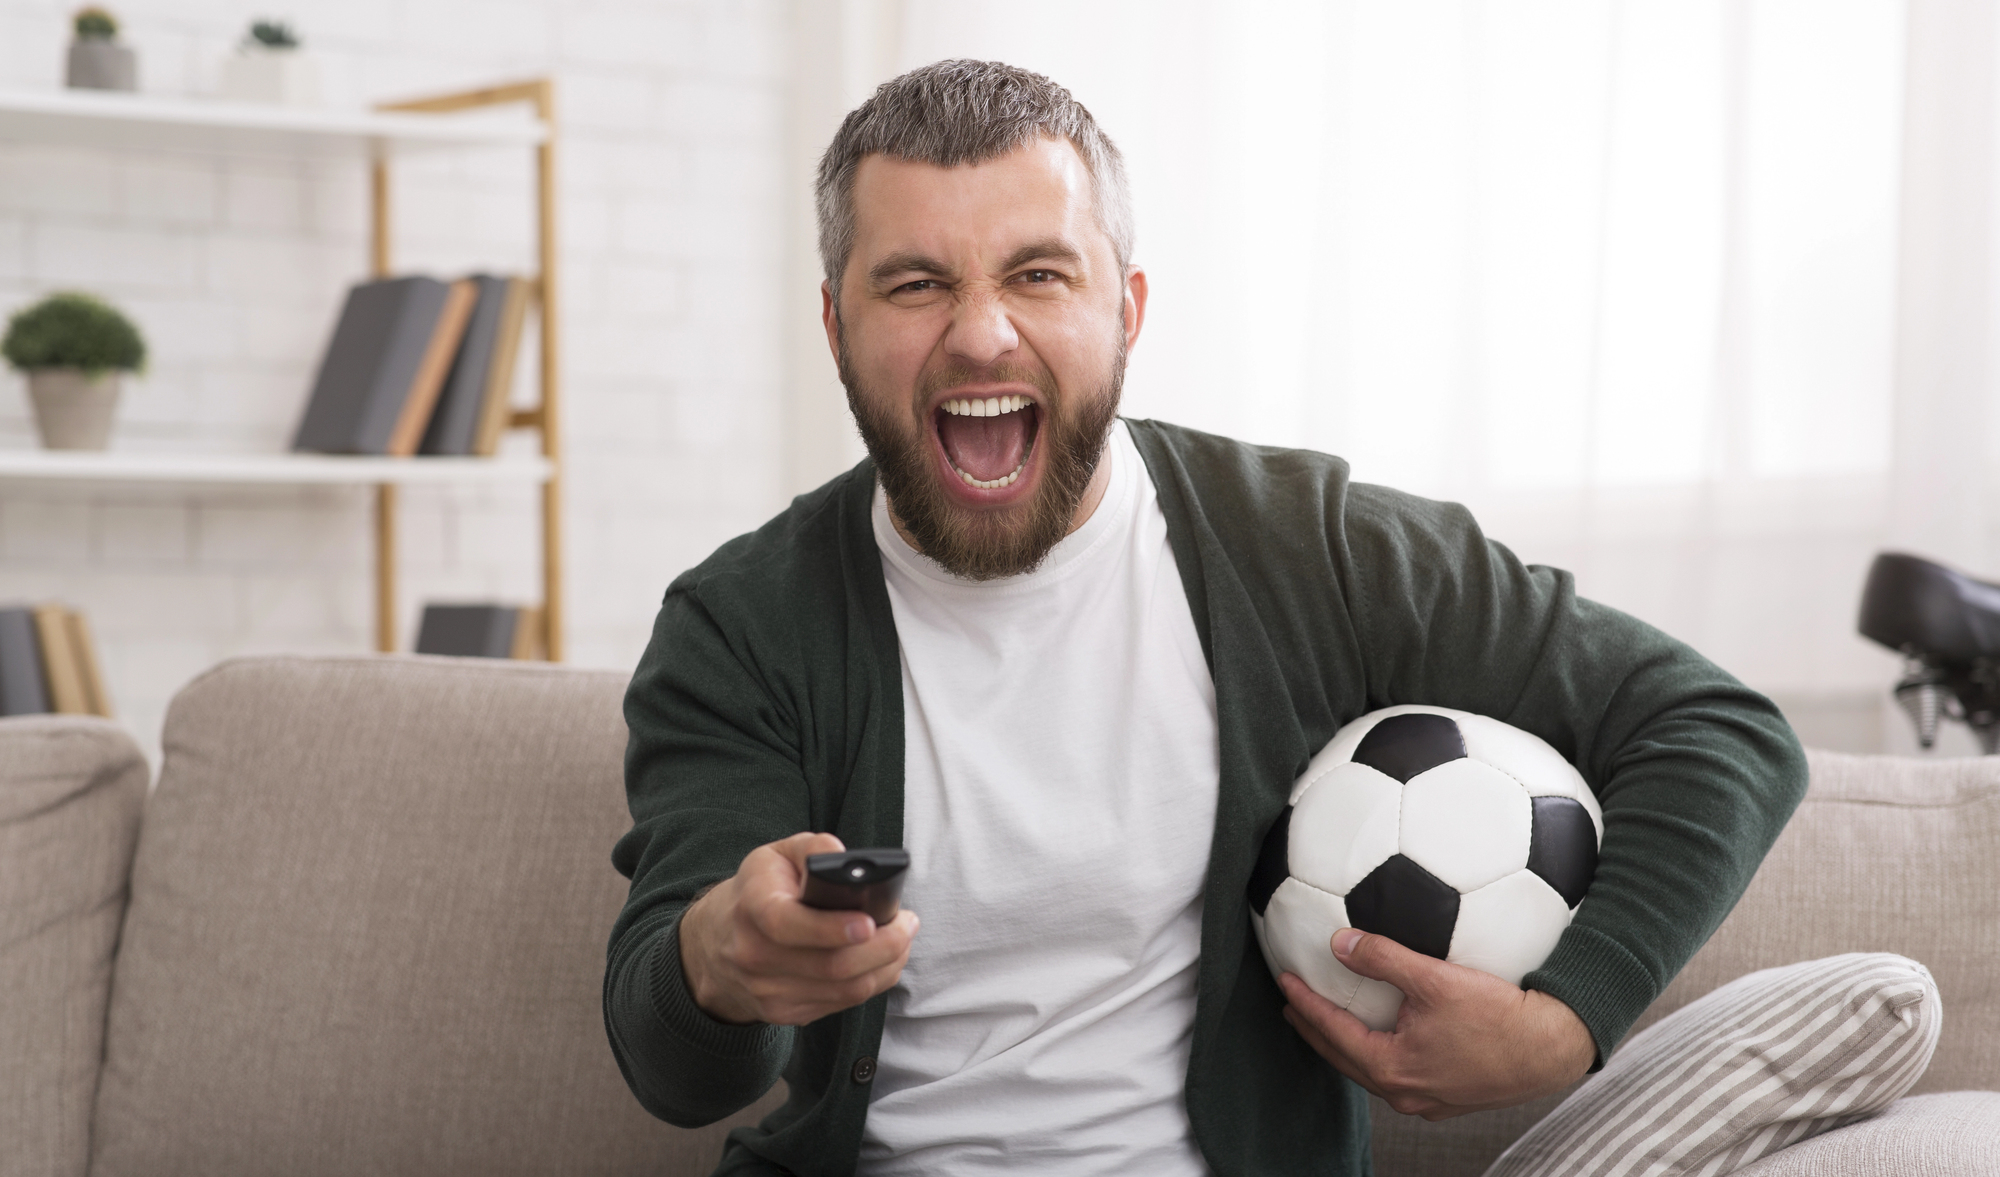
column 981, row 331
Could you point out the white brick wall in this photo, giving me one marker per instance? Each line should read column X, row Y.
column 674, row 224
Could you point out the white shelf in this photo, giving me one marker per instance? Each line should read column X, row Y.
column 264, row 469
column 99, row 118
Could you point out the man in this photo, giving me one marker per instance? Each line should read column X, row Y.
column 1074, row 663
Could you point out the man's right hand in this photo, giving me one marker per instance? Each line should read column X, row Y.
column 753, row 952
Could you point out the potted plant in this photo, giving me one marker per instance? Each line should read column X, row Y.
column 73, row 348
column 269, row 66
column 96, row 60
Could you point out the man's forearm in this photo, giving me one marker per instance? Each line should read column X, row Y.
column 685, row 1067
column 1665, row 881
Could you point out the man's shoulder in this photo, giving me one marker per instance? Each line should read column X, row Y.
column 1280, row 485
column 804, row 542
column 1212, row 456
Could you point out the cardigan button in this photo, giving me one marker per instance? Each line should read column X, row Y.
column 864, row 1069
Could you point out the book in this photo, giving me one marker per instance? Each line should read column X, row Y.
column 383, row 366
column 455, row 420
column 468, row 631
column 481, row 631
column 60, row 672
column 429, row 382
column 69, row 663
column 498, row 404
column 85, row 652
column 528, row 644
column 22, row 688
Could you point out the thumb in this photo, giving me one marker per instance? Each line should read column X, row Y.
column 1381, row 959
column 799, row 847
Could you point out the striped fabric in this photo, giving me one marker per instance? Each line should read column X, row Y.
column 1767, row 1060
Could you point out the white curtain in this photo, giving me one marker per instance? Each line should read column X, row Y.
column 1687, row 296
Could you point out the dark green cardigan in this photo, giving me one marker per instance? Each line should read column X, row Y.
column 770, row 701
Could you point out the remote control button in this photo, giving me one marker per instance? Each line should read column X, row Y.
column 864, row 1069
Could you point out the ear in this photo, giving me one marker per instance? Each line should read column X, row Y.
column 1135, row 304
column 829, row 315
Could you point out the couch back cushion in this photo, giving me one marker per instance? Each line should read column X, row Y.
column 367, row 930
column 1886, row 854
column 71, row 788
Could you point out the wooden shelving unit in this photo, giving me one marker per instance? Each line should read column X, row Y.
column 458, row 120
column 264, row 469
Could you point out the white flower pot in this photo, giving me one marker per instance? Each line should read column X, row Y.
column 96, row 64
column 286, row 77
column 73, row 410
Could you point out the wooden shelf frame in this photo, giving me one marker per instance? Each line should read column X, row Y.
column 545, row 417
column 108, row 120
column 125, row 122
column 260, row 469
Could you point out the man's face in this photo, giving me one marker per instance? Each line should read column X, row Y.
column 981, row 333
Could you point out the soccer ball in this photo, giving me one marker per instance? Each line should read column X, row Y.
column 1453, row 834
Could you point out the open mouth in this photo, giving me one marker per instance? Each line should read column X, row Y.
column 988, row 440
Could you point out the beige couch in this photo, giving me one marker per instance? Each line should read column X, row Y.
column 359, row 928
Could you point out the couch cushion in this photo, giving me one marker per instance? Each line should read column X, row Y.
column 1956, row 1134
column 1886, row 854
column 367, row 933
column 71, row 788
column 1763, row 1062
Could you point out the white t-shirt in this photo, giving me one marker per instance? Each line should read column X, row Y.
column 1060, row 778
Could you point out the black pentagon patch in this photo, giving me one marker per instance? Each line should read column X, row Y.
column 1406, row 903
column 1563, row 847
column 1274, row 862
column 1402, row 746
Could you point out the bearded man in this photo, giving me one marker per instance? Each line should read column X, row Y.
column 1073, row 663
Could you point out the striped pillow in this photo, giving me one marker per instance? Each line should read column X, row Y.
column 1765, row 1061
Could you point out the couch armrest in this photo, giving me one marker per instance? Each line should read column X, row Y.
column 71, row 791
column 1942, row 1135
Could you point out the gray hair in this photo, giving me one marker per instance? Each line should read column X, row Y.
column 964, row 112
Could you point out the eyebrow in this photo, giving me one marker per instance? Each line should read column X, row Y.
column 905, row 263
column 1049, row 249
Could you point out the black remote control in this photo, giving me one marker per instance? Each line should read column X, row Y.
column 857, row 880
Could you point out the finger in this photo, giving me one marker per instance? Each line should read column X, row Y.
column 1326, row 1050
column 783, row 920
column 1382, row 959
column 770, row 887
column 889, row 945
column 799, row 847
column 1344, row 1034
column 798, row 1003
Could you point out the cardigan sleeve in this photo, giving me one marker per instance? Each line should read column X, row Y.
column 1695, row 772
column 711, row 772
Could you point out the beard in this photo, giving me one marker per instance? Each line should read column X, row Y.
column 1009, row 541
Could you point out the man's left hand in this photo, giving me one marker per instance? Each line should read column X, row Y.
column 1465, row 1041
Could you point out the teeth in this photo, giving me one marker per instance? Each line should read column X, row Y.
column 992, row 406
column 994, row 483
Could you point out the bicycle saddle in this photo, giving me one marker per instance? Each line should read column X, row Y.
column 1947, row 627
column 1921, row 608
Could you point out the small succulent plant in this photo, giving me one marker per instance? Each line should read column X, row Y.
column 272, row 34
column 73, row 330
column 95, row 24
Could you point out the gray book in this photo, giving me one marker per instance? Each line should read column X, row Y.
column 370, row 365
column 456, row 418
column 23, row 687
column 468, row 631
